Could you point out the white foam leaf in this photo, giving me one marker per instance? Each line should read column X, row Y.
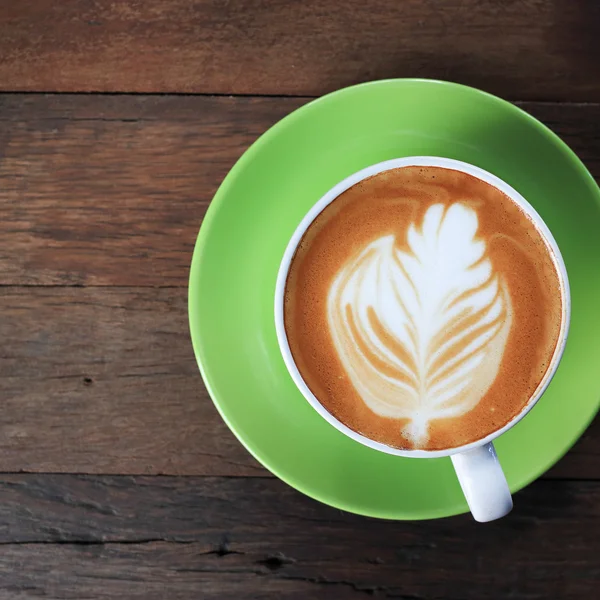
column 422, row 333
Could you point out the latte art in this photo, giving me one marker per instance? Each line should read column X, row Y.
column 422, row 308
column 421, row 334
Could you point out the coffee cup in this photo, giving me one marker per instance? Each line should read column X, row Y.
column 400, row 283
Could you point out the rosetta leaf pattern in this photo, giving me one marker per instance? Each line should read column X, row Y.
column 421, row 333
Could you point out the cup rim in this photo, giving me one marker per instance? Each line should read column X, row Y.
column 328, row 198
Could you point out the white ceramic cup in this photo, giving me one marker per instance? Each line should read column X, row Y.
column 477, row 466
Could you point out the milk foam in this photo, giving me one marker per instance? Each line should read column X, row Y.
column 421, row 333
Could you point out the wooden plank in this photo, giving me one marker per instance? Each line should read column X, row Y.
column 104, row 380
column 96, row 193
column 523, row 50
column 98, row 190
column 156, row 537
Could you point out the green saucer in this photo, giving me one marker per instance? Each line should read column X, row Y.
column 250, row 222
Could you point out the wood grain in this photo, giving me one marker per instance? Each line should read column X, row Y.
column 528, row 49
column 111, row 190
column 156, row 537
column 104, row 380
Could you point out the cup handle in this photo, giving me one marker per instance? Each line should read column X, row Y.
column 483, row 483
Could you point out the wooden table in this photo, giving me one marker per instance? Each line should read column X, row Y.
column 118, row 120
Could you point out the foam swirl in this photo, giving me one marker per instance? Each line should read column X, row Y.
column 421, row 333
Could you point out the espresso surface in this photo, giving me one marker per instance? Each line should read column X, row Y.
column 423, row 308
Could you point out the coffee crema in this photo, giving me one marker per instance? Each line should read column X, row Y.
column 423, row 308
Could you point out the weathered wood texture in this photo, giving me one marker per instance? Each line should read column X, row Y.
column 112, row 190
column 104, row 380
column 532, row 49
column 165, row 537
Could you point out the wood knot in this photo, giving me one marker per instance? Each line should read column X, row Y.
column 276, row 561
column 223, row 549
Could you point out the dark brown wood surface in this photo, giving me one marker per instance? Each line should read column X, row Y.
column 524, row 49
column 166, row 537
column 118, row 478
